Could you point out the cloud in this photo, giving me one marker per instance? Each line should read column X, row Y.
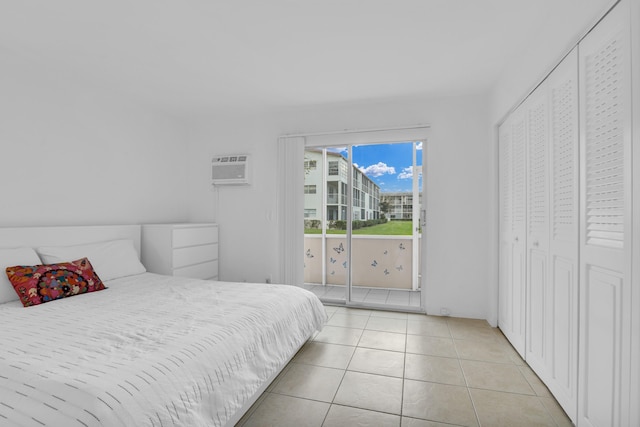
column 378, row 169
column 406, row 173
column 419, row 146
column 360, row 168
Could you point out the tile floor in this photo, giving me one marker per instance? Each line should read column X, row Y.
column 377, row 368
column 395, row 297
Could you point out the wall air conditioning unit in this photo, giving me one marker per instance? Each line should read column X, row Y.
column 230, row 170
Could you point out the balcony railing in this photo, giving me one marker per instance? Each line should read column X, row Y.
column 332, row 199
column 378, row 261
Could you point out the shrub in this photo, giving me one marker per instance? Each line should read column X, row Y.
column 312, row 223
column 340, row 224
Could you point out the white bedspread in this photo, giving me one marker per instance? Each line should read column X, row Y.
column 149, row 351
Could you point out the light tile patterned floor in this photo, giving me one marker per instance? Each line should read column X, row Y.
column 382, row 368
column 395, row 297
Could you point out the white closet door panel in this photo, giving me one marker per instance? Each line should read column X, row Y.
column 506, row 201
column 506, row 166
column 513, row 239
column 538, row 159
column 563, row 84
column 634, row 417
column 516, row 332
column 512, row 279
column 605, row 223
column 505, row 308
column 519, row 173
column 516, row 328
column 564, row 366
column 537, row 311
column 537, row 286
column 605, row 87
column 602, row 346
column 562, row 323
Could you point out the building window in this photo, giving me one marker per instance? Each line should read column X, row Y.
column 309, row 213
column 333, row 168
column 343, row 197
column 309, row 189
column 310, row 165
column 356, row 198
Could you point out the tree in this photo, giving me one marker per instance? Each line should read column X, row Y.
column 384, row 206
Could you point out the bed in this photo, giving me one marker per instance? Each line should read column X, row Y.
column 149, row 350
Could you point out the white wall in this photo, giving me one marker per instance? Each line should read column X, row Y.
column 458, row 184
column 246, row 214
column 544, row 51
column 72, row 154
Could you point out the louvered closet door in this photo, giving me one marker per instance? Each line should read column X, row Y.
column 514, row 328
column 506, row 208
column 537, row 229
column 561, row 337
column 605, row 223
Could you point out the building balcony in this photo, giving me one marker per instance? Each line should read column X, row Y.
column 334, row 199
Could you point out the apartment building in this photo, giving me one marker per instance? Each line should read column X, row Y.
column 400, row 204
column 366, row 193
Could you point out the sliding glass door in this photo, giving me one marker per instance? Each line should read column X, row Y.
column 362, row 227
column 326, row 213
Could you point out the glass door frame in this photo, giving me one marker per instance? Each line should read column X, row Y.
column 417, row 222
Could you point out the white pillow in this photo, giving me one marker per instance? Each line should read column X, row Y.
column 11, row 258
column 110, row 260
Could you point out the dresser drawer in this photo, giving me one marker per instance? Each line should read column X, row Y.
column 206, row 270
column 181, row 249
column 194, row 236
column 190, row 255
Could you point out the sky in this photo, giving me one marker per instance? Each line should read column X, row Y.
column 388, row 165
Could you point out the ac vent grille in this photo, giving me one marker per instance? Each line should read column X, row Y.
column 230, row 169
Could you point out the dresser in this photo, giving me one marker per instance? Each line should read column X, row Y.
column 181, row 249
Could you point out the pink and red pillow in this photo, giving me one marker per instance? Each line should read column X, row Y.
column 38, row 284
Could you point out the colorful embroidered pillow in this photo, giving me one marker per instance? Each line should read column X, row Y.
column 38, row 284
column 8, row 258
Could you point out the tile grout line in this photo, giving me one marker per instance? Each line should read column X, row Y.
column 404, row 373
column 513, row 362
column 343, row 376
column 464, row 375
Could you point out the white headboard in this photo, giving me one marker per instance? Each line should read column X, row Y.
column 15, row 237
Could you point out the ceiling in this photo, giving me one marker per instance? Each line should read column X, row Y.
column 193, row 55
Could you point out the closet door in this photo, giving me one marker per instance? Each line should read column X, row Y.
column 513, row 240
column 537, row 227
column 561, row 327
column 605, row 223
column 506, row 209
column 519, row 230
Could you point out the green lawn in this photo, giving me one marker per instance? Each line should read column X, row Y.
column 390, row 228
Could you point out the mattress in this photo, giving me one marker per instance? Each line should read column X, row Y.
column 150, row 350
